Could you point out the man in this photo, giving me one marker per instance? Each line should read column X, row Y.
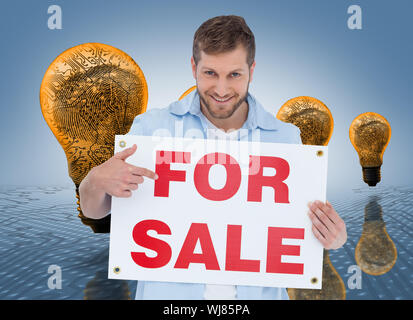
column 221, row 108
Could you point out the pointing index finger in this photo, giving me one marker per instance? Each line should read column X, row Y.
column 143, row 172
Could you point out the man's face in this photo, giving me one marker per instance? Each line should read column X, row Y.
column 222, row 81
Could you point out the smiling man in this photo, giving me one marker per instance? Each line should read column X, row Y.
column 223, row 64
column 222, row 84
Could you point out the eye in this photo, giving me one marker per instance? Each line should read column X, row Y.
column 235, row 74
column 209, row 73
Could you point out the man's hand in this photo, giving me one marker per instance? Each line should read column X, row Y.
column 328, row 227
column 118, row 178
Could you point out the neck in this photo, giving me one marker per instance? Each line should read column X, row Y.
column 234, row 122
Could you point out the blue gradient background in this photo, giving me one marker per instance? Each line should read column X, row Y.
column 303, row 48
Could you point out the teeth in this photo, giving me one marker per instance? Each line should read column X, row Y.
column 221, row 100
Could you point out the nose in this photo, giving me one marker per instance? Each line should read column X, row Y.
column 221, row 88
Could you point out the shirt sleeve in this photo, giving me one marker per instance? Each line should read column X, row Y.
column 137, row 127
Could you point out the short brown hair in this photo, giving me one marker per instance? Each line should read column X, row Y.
column 222, row 34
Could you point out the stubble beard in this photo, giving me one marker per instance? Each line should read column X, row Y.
column 227, row 115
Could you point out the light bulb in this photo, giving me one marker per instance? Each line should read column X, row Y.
column 187, row 92
column 370, row 134
column 102, row 288
column 333, row 287
column 311, row 116
column 375, row 252
column 316, row 125
column 89, row 94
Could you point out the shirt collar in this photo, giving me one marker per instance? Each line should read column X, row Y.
column 257, row 115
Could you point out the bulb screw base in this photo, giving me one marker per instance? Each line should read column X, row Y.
column 371, row 175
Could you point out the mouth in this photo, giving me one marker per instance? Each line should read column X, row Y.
column 221, row 101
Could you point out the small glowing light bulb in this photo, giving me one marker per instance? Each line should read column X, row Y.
column 311, row 116
column 370, row 134
column 375, row 252
column 187, row 92
column 89, row 94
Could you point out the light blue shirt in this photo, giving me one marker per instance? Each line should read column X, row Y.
column 184, row 119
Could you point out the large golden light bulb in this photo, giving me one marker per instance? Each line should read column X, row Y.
column 89, row 94
column 312, row 117
column 316, row 125
column 370, row 134
column 375, row 252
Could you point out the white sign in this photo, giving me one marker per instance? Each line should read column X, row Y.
column 221, row 212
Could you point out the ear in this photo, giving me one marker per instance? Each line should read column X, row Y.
column 193, row 67
column 252, row 70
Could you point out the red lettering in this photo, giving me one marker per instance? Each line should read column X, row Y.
column 201, row 175
column 163, row 169
column 162, row 248
column 186, row 255
column 233, row 260
column 276, row 249
column 257, row 181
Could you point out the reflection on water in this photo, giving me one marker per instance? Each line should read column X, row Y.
column 102, row 288
column 39, row 227
column 375, row 252
column 333, row 287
